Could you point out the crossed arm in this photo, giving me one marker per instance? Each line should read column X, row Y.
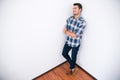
column 70, row 33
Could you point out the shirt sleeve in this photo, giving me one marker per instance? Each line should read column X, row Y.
column 66, row 24
column 81, row 29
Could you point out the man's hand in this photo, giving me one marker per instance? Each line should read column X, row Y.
column 65, row 30
column 69, row 33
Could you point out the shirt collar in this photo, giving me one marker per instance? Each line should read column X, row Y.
column 77, row 18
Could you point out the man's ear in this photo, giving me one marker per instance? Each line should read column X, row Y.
column 80, row 10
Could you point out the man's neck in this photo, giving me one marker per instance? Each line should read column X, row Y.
column 76, row 16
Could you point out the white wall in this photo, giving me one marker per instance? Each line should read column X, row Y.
column 100, row 50
column 31, row 38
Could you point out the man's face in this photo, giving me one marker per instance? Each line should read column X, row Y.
column 76, row 10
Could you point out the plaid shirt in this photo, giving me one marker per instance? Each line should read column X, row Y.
column 76, row 26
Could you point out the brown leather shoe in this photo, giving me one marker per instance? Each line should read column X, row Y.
column 73, row 71
column 69, row 72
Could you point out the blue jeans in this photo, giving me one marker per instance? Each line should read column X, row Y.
column 72, row 60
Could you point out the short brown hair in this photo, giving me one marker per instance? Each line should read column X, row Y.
column 78, row 4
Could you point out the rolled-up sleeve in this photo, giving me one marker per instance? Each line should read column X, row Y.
column 81, row 29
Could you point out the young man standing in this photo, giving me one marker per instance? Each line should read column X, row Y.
column 73, row 30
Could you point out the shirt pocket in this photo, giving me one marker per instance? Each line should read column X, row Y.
column 77, row 28
column 79, row 25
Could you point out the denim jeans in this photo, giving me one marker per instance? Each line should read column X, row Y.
column 71, row 60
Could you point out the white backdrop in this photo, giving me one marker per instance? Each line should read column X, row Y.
column 100, row 50
column 31, row 37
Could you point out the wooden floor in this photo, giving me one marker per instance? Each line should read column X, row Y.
column 59, row 73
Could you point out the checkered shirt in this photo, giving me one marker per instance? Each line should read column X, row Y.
column 76, row 26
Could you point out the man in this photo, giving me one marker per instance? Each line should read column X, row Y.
column 73, row 30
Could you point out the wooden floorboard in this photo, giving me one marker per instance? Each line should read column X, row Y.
column 59, row 73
